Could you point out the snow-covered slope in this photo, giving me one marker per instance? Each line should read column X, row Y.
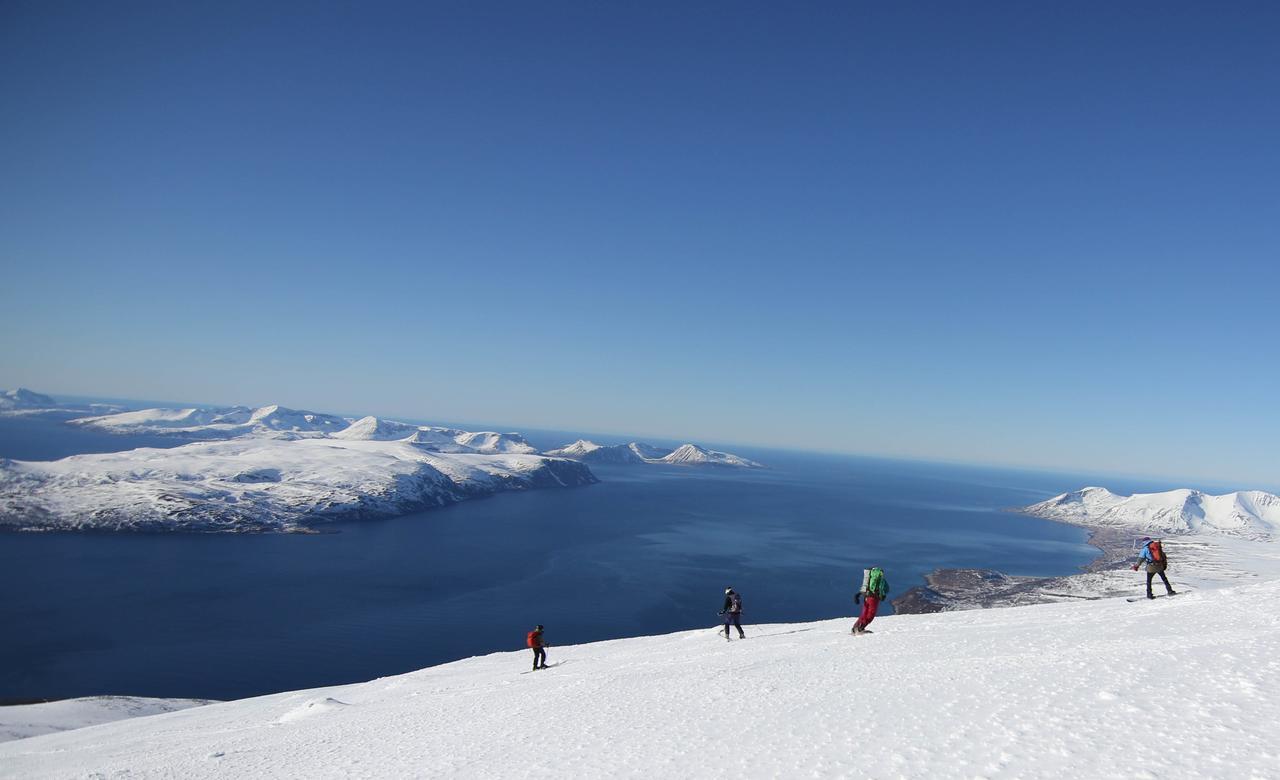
column 693, row 455
column 255, row 483
column 590, row 452
column 648, row 451
column 1187, row 687
column 219, row 423
column 22, row 398
column 1252, row 514
column 30, row 720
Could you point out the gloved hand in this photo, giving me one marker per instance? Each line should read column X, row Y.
column 721, row 612
column 857, row 598
column 1135, row 567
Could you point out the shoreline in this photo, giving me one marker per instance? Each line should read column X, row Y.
column 949, row 590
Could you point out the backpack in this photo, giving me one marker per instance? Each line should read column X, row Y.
column 534, row 639
column 735, row 602
column 1157, row 552
column 877, row 585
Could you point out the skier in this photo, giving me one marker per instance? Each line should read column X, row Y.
column 874, row 588
column 1152, row 553
column 732, row 612
column 534, row 640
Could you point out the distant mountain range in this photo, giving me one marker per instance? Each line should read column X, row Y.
column 636, row 452
column 273, row 468
column 1247, row 513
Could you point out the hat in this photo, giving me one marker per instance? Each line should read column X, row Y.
column 539, row 627
column 728, row 590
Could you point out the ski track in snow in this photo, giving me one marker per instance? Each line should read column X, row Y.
column 1177, row 688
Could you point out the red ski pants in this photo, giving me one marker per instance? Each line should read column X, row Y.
column 869, row 606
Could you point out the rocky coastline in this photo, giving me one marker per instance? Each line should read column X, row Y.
column 948, row 590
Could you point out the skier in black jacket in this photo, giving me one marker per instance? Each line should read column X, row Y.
column 732, row 612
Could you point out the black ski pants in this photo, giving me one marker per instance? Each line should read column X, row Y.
column 539, row 654
column 1151, row 575
column 734, row 618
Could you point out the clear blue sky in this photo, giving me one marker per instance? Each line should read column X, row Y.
column 1022, row 233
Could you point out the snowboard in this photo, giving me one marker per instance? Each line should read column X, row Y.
column 1158, row 595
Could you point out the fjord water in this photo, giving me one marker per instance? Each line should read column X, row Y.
column 648, row 550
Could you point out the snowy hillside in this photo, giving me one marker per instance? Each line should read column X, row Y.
column 1186, row 687
column 1251, row 514
column 253, row 483
column 218, row 423
column 30, row 720
column 22, row 398
column 635, row 452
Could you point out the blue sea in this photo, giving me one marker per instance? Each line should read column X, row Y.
column 649, row 550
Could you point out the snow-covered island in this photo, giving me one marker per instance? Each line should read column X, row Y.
column 23, row 402
column 636, row 452
column 268, row 469
column 1212, row 540
column 272, row 468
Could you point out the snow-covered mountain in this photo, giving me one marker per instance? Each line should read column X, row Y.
column 260, row 483
column 693, row 455
column 1251, row 513
column 590, row 452
column 218, row 423
column 1178, row 688
column 636, row 452
column 438, row 439
column 22, row 398
column 376, row 429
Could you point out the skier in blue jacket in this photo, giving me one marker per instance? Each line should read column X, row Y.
column 1152, row 554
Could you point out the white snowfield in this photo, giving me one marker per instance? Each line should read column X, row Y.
column 1250, row 514
column 30, row 720
column 636, row 452
column 257, row 484
column 1184, row 687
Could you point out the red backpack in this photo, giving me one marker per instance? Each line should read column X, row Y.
column 534, row 639
column 1157, row 553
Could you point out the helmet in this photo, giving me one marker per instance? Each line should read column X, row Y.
column 538, row 627
column 728, row 590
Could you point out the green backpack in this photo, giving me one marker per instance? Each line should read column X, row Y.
column 877, row 585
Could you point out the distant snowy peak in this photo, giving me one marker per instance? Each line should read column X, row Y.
column 590, row 452
column 278, row 418
column 218, row 422
column 490, row 442
column 1248, row 513
column 648, row 451
column 437, row 439
column 692, row 454
column 376, row 429
column 22, row 398
column 636, row 452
